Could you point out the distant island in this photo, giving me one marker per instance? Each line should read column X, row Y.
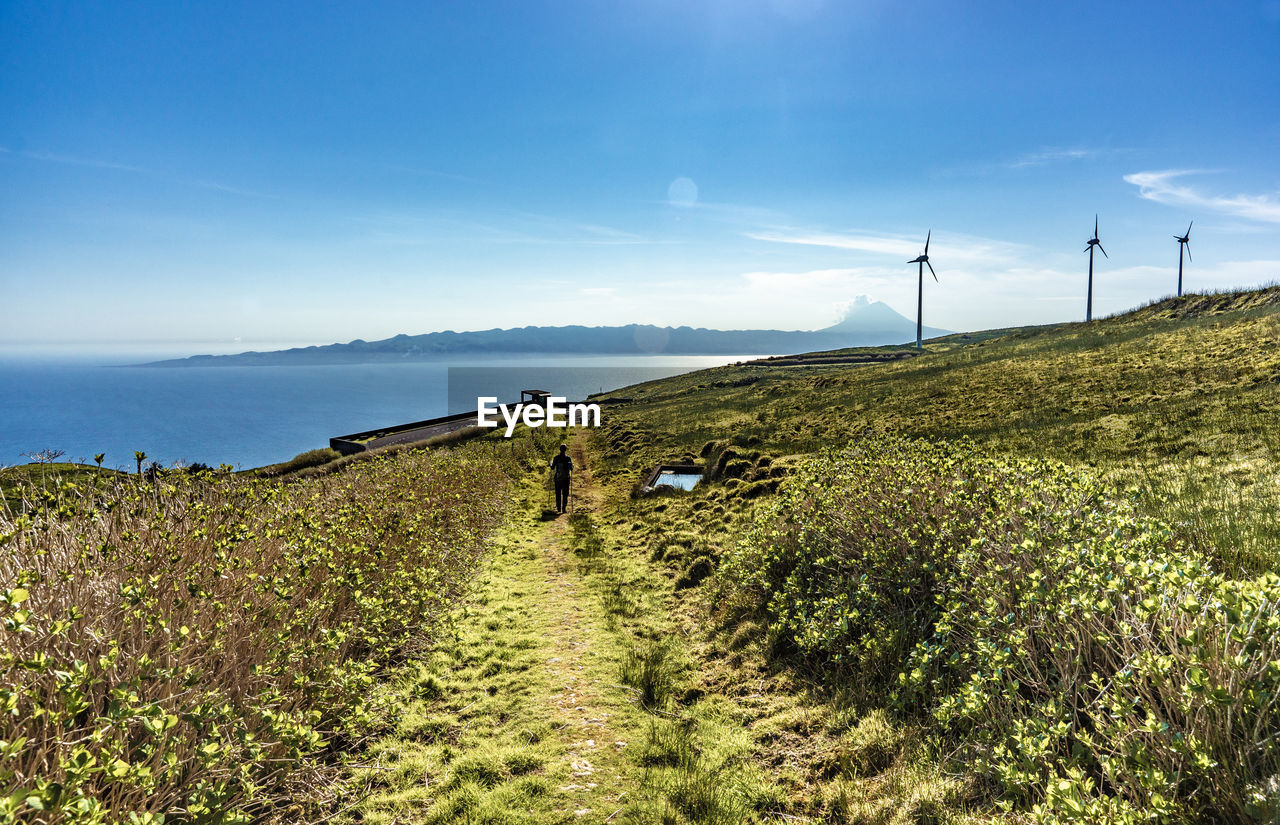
column 866, row 324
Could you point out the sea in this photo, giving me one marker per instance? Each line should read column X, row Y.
column 250, row 416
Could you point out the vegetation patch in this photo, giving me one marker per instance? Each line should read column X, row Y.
column 1081, row 660
column 193, row 648
column 311, row 458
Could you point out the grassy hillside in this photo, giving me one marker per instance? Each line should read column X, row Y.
column 997, row 567
column 1014, row 577
column 1181, row 397
column 1195, row 376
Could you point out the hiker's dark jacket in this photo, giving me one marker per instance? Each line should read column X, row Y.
column 561, row 466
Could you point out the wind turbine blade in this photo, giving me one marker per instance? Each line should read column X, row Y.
column 1188, row 250
column 1103, row 251
column 926, row 242
column 931, row 272
column 1188, row 235
column 1095, row 226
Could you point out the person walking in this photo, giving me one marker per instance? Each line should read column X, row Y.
column 561, row 467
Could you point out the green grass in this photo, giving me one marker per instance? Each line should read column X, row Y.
column 512, row 720
column 1153, row 384
column 1062, row 644
column 612, row 667
column 627, row 607
column 19, row 483
column 301, row 461
column 1151, row 396
column 563, row 697
column 649, row 669
column 739, row 733
column 1174, row 404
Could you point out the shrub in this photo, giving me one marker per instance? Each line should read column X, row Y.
column 1079, row 657
column 191, row 648
column 311, row 458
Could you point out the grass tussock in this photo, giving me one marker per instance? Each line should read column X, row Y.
column 699, row 768
column 588, row 544
column 651, row 669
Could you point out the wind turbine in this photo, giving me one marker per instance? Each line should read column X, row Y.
column 1184, row 242
column 923, row 260
column 1088, row 309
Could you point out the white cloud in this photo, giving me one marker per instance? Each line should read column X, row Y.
column 947, row 246
column 1046, row 156
column 50, row 157
column 1009, row 293
column 513, row 227
column 863, row 243
column 1162, row 187
column 71, row 160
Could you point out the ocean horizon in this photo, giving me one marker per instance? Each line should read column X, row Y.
column 84, row 403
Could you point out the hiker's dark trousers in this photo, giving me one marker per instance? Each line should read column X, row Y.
column 562, row 494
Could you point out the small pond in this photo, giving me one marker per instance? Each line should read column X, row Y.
column 679, row 480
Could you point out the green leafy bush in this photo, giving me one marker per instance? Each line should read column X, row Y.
column 1083, row 661
column 188, row 650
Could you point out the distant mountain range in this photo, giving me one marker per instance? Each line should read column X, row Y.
column 867, row 323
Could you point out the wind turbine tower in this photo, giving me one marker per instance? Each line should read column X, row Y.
column 1088, row 307
column 1184, row 243
column 923, row 260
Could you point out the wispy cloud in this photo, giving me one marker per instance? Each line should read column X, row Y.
column 93, row 163
column 579, row 231
column 506, row 227
column 1163, row 187
column 726, row 213
column 424, row 172
column 1053, row 154
column 230, row 190
column 72, row 160
column 876, row 244
column 953, row 246
column 1042, row 157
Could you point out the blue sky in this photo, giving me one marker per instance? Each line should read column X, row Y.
column 315, row 172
